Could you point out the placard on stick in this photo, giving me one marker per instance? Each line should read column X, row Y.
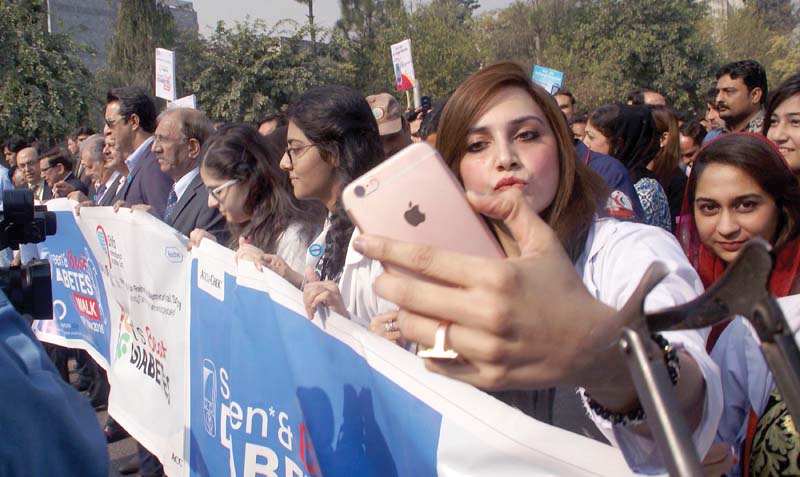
column 403, row 63
column 165, row 74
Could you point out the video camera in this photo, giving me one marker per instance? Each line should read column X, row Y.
column 28, row 286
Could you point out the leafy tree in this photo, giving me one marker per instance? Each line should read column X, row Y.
column 141, row 27
column 747, row 34
column 445, row 47
column 362, row 21
column 613, row 47
column 463, row 8
column 310, row 16
column 521, row 31
column 249, row 69
column 45, row 90
column 779, row 16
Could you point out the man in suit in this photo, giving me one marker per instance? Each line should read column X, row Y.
column 56, row 169
column 130, row 118
column 179, row 136
column 104, row 179
column 28, row 161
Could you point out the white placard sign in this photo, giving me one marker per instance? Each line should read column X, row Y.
column 404, row 77
column 165, row 74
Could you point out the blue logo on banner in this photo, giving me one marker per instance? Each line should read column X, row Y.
column 286, row 398
column 79, row 304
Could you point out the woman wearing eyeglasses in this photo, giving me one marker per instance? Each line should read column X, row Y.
column 240, row 170
column 332, row 139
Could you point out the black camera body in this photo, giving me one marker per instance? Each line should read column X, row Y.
column 28, row 287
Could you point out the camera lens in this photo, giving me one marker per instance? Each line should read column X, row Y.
column 359, row 191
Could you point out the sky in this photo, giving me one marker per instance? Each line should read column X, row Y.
column 326, row 12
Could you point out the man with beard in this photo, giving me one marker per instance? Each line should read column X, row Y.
column 741, row 94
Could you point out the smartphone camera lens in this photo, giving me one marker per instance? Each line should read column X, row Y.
column 359, row 191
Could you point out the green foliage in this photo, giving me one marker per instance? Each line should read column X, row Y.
column 520, row 31
column 779, row 16
column 141, row 27
column 748, row 34
column 615, row 46
column 45, row 91
column 363, row 19
column 443, row 44
column 242, row 72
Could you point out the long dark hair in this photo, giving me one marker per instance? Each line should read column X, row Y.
column 579, row 191
column 631, row 133
column 339, row 121
column 667, row 158
column 758, row 159
column 238, row 151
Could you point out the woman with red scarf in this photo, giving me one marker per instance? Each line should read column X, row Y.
column 742, row 188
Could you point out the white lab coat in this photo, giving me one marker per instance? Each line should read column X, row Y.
column 615, row 258
column 746, row 380
column 355, row 283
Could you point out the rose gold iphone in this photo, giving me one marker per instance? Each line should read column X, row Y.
column 413, row 197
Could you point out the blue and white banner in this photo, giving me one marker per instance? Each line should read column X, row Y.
column 81, row 316
column 215, row 369
column 145, row 266
column 272, row 393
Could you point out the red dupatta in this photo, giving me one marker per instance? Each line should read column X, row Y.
column 710, row 267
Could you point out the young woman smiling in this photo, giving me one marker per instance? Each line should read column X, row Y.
column 782, row 124
column 741, row 188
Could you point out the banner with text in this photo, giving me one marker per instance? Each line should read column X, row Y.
column 145, row 265
column 81, row 312
column 215, row 369
column 272, row 393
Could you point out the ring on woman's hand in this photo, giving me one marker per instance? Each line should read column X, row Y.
column 439, row 350
column 389, row 326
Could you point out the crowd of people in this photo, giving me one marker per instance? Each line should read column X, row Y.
column 581, row 204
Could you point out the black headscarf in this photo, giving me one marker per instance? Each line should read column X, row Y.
column 632, row 134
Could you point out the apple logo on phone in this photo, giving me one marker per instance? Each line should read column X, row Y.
column 413, row 215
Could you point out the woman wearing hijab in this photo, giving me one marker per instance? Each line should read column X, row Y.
column 741, row 188
column 628, row 133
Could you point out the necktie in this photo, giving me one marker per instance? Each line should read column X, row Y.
column 171, row 201
column 99, row 193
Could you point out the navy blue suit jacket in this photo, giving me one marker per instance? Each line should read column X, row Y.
column 146, row 184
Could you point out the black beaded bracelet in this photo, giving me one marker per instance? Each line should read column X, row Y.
column 637, row 415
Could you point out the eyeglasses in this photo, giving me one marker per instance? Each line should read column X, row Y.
column 215, row 191
column 290, row 151
column 113, row 122
column 45, row 169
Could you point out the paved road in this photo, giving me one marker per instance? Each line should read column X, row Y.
column 119, row 452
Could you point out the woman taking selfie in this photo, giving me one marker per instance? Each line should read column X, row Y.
column 266, row 223
column 741, row 188
column 546, row 315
